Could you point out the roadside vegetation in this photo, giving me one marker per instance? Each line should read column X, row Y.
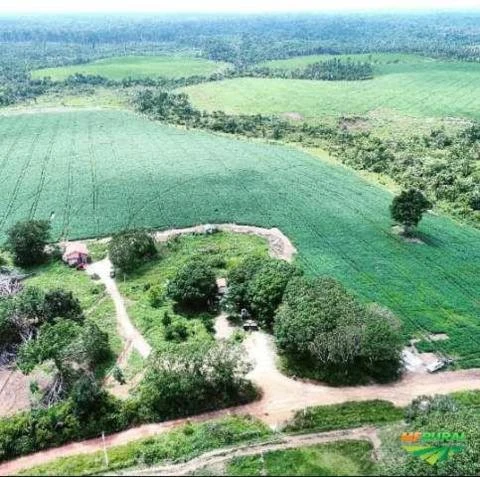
column 180, row 444
column 336, row 458
column 344, row 416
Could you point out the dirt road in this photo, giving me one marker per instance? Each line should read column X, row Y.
column 126, row 329
column 279, row 244
column 282, row 396
column 221, row 456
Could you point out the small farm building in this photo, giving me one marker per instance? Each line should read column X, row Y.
column 75, row 254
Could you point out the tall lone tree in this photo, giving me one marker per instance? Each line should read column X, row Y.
column 27, row 241
column 408, row 207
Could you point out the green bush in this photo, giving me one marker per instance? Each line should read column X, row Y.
column 129, row 249
column 194, row 286
column 27, row 240
column 344, row 416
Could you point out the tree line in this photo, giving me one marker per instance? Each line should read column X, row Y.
column 443, row 165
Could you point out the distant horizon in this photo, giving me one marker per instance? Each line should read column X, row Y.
column 15, row 7
column 240, row 12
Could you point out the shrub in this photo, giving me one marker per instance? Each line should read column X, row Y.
column 192, row 378
column 27, row 241
column 176, row 331
column 62, row 303
column 344, row 416
column 194, row 286
column 129, row 249
column 156, row 296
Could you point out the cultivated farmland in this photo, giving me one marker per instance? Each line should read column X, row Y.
column 405, row 84
column 118, row 68
column 97, row 172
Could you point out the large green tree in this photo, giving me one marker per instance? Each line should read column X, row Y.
column 129, row 249
column 27, row 240
column 408, row 208
column 194, row 285
column 324, row 332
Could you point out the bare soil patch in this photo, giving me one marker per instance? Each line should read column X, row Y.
column 292, row 116
column 14, row 392
column 398, row 230
column 438, row 337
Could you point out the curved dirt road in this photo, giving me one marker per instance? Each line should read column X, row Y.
column 221, row 456
column 126, row 329
column 278, row 243
column 281, row 397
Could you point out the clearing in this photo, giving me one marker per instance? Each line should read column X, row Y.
column 137, row 67
column 406, row 84
column 100, row 172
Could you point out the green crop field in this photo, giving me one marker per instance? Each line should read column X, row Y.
column 403, row 84
column 121, row 67
column 95, row 172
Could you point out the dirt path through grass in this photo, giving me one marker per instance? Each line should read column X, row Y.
column 222, row 456
column 126, row 329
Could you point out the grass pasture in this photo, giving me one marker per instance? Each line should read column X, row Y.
column 405, row 85
column 221, row 250
column 97, row 172
column 337, row 458
column 138, row 67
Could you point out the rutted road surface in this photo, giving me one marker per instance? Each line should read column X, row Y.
column 221, row 456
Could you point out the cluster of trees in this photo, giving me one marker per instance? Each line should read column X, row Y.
column 258, row 284
column 190, row 378
column 335, row 69
column 321, row 330
column 247, row 39
column 444, row 166
column 325, row 333
column 181, row 381
column 38, row 327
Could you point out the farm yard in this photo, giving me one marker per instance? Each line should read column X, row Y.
column 406, row 85
column 118, row 68
column 97, row 172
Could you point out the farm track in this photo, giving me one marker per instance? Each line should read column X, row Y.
column 282, row 442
